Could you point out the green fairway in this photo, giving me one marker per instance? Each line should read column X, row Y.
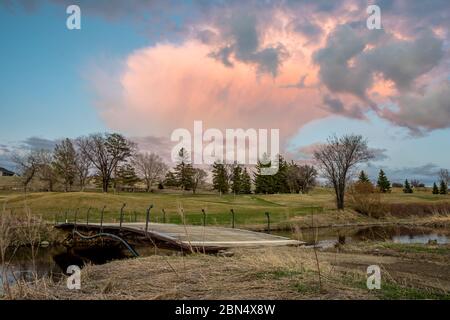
column 249, row 209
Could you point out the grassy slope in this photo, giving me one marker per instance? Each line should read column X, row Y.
column 249, row 209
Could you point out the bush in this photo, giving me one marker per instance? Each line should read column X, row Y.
column 364, row 198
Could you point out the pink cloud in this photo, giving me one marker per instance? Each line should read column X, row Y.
column 168, row 86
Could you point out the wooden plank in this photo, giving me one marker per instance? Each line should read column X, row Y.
column 200, row 236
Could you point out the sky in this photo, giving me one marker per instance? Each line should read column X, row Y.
column 308, row 68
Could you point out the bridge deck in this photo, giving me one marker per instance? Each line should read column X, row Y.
column 198, row 236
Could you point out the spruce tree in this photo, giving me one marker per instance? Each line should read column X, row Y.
column 435, row 188
column 407, row 187
column 170, row 180
column 184, row 171
column 363, row 177
column 236, row 179
column 246, row 182
column 280, row 182
column 220, row 178
column 383, row 184
column 263, row 183
column 126, row 176
column 444, row 188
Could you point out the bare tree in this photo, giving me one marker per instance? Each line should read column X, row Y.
column 46, row 170
column 301, row 178
column 106, row 152
column 27, row 166
column 150, row 167
column 65, row 162
column 82, row 166
column 338, row 157
column 444, row 175
column 198, row 178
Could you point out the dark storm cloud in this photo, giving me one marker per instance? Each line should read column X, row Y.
column 336, row 106
column 36, row 143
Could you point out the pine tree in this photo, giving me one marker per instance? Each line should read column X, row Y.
column 444, row 188
column 263, row 183
column 363, row 177
column 435, row 188
column 383, row 184
column 184, row 171
column 236, row 179
column 407, row 187
column 170, row 180
column 246, row 182
column 220, row 178
column 280, row 184
column 126, row 176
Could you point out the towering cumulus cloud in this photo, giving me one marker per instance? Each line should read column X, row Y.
column 281, row 65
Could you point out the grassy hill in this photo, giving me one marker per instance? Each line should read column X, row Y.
column 249, row 209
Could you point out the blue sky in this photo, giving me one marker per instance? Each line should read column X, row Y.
column 56, row 82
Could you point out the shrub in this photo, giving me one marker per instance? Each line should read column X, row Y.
column 364, row 198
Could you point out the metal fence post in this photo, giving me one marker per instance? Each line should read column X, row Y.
column 204, row 217
column 121, row 215
column 164, row 215
column 65, row 217
column 232, row 218
column 101, row 218
column 147, row 218
column 87, row 216
column 56, row 219
column 75, row 222
column 268, row 221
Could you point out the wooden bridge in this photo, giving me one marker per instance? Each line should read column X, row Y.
column 185, row 236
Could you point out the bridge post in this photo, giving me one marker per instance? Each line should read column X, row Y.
column 121, row 215
column 232, row 218
column 101, row 218
column 75, row 219
column 56, row 218
column 204, row 217
column 164, row 215
column 87, row 216
column 65, row 217
column 147, row 218
column 268, row 221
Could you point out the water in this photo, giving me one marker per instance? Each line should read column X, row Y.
column 328, row 237
column 53, row 261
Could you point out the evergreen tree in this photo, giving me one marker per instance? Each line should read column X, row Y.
column 220, row 178
column 383, row 184
column 184, row 171
column 126, row 176
column 170, row 180
column 444, row 188
column 236, row 179
column 435, row 188
column 407, row 187
column 263, row 183
column 280, row 184
column 363, row 177
column 246, row 182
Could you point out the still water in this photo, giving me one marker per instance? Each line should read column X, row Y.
column 327, row 237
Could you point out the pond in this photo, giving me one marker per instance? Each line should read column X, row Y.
column 328, row 237
column 53, row 261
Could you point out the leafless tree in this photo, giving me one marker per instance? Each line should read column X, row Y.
column 198, row 178
column 338, row 157
column 27, row 166
column 149, row 167
column 82, row 165
column 444, row 175
column 64, row 159
column 46, row 170
column 301, row 178
column 106, row 152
